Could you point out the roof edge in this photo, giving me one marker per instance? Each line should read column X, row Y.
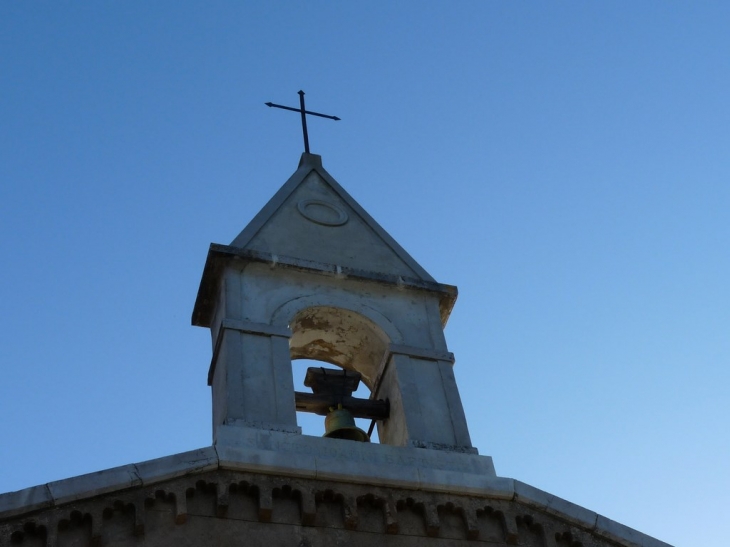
column 211, row 458
column 307, row 163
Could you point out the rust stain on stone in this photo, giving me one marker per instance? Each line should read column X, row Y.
column 323, row 351
column 313, row 322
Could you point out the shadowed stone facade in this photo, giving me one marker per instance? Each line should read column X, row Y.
column 198, row 499
column 314, row 276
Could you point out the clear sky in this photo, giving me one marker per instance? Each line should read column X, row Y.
column 565, row 164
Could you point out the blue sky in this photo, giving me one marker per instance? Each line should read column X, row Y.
column 565, row 164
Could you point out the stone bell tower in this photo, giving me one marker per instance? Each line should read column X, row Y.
column 314, row 276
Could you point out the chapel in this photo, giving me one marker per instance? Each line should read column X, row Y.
column 314, row 276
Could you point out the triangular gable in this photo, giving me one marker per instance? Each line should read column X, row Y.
column 312, row 217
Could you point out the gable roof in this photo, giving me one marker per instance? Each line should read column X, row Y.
column 312, row 217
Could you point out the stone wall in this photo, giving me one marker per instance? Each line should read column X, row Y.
column 227, row 508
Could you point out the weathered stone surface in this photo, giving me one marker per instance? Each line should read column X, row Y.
column 344, row 456
column 267, row 461
column 362, row 326
column 529, row 495
column 94, row 484
column 23, row 501
column 624, row 535
column 231, row 507
column 185, row 463
column 439, row 480
column 328, row 224
column 304, row 302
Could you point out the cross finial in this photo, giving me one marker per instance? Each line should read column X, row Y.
column 304, row 113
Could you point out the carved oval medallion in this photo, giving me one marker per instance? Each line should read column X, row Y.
column 322, row 212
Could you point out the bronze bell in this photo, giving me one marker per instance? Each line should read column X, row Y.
column 339, row 424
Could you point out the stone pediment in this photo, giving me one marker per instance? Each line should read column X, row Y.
column 229, row 495
column 312, row 217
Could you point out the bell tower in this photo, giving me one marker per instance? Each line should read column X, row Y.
column 314, row 276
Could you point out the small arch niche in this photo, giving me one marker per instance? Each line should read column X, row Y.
column 323, row 336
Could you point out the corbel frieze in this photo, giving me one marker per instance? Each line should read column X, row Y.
column 259, row 498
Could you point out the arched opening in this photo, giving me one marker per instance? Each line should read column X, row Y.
column 313, row 424
column 324, row 336
column 340, row 337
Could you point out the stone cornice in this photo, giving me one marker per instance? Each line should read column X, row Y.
column 20, row 506
column 219, row 256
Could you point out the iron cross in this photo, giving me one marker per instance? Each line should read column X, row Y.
column 304, row 117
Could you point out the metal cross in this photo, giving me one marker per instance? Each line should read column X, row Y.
column 304, row 117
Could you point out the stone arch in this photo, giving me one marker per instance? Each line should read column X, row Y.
column 340, row 337
column 352, row 336
column 284, row 314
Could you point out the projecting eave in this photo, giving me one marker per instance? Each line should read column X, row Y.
column 220, row 256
